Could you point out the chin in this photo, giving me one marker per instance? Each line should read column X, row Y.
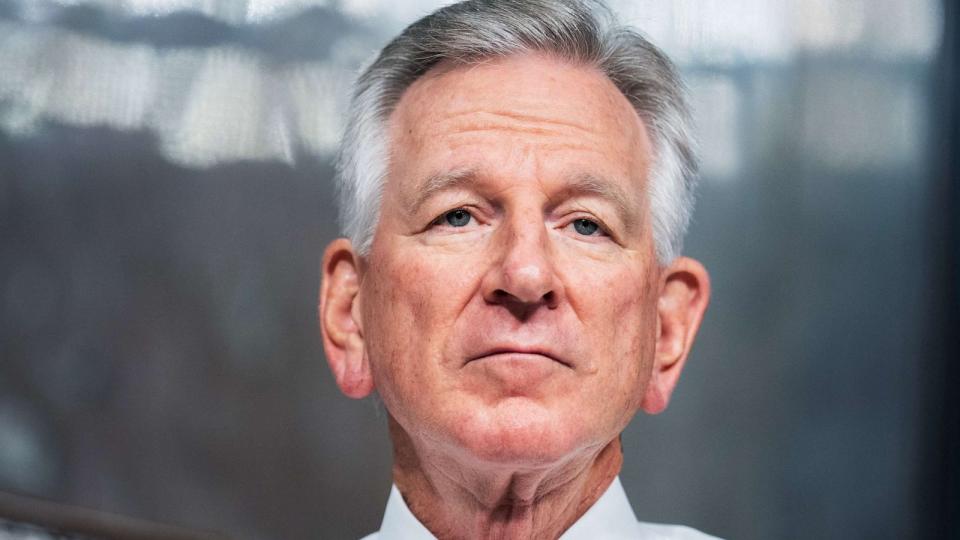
column 519, row 432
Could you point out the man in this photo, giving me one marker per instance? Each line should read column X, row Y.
column 515, row 182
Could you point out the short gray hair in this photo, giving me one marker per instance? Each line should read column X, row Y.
column 475, row 30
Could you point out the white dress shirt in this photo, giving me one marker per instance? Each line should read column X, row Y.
column 611, row 517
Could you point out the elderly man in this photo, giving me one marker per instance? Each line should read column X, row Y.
column 515, row 182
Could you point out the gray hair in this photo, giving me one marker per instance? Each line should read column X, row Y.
column 475, row 30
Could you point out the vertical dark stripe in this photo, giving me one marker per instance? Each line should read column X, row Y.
column 939, row 490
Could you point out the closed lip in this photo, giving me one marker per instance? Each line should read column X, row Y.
column 539, row 351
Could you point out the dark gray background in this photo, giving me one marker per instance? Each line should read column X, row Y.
column 165, row 195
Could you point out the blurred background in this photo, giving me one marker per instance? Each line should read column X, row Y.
column 165, row 195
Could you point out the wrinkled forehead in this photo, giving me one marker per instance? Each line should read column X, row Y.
column 533, row 99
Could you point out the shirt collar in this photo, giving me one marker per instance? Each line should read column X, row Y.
column 399, row 523
column 610, row 517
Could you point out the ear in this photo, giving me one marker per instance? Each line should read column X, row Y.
column 340, row 323
column 684, row 295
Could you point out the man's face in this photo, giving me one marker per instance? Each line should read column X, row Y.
column 508, row 305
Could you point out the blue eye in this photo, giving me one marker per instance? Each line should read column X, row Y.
column 457, row 218
column 586, row 227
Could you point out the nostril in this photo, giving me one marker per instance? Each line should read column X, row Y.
column 520, row 308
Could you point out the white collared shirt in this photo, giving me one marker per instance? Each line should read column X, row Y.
column 611, row 517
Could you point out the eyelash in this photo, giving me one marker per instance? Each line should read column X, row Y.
column 600, row 232
column 439, row 220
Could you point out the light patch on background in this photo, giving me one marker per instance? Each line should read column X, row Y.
column 83, row 93
column 885, row 29
column 903, row 29
column 716, row 106
column 712, row 31
column 717, row 32
column 229, row 103
column 828, row 24
column 228, row 116
column 206, row 106
column 853, row 121
column 27, row 462
column 246, row 11
column 261, row 10
column 691, row 30
column 233, row 11
column 318, row 121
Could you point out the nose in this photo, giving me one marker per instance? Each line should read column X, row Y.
column 523, row 277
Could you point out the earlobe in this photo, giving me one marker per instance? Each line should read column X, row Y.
column 684, row 295
column 339, row 320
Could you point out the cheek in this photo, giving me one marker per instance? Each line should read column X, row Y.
column 636, row 311
column 619, row 310
column 618, row 300
column 423, row 292
column 396, row 299
column 388, row 321
column 411, row 302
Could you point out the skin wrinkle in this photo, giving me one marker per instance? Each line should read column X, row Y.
column 518, row 236
column 512, row 505
column 515, row 122
column 586, row 183
column 439, row 182
column 511, row 444
column 582, row 184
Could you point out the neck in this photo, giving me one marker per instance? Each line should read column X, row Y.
column 458, row 498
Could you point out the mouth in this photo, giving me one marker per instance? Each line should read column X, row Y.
column 520, row 354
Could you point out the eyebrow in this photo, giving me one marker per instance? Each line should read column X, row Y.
column 439, row 182
column 581, row 184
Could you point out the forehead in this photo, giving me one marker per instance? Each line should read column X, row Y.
column 553, row 117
